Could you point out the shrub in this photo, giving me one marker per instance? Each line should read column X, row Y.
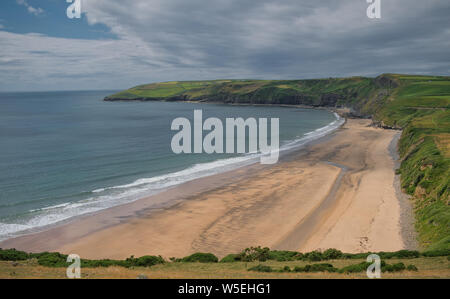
column 407, row 254
column 314, row 256
column 411, row 268
column 13, row 255
column 325, row 267
column 393, row 268
column 261, row 268
column 355, row 255
column 200, row 257
column 439, row 252
column 282, row 256
column 52, row 259
column 262, row 254
column 254, row 254
column 361, row 267
column 102, row 263
column 299, row 256
column 316, row 268
column 144, row 261
column 307, row 268
column 402, row 254
column 231, row 258
column 332, row 254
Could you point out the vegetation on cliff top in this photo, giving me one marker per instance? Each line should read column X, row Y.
column 322, row 92
column 421, row 107
column 417, row 104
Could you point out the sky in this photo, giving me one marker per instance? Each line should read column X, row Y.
column 117, row 44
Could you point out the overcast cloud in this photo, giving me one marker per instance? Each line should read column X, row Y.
column 161, row 40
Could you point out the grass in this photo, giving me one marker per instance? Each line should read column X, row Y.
column 307, row 92
column 254, row 262
column 424, row 149
column 432, row 267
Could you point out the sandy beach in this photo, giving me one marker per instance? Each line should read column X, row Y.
column 336, row 193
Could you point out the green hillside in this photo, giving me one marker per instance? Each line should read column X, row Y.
column 323, row 92
column 417, row 104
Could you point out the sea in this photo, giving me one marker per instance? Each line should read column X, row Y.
column 68, row 153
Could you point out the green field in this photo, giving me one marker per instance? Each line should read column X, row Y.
column 419, row 105
column 305, row 92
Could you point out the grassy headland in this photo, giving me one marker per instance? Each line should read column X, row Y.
column 419, row 105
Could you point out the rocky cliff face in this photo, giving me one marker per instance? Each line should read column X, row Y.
column 330, row 99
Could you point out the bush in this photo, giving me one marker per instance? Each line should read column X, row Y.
column 314, row 256
column 439, row 252
column 325, row 267
column 102, row 263
column 332, row 254
column 49, row 259
column 307, row 268
column 411, row 268
column 52, row 259
column 282, row 256
column 144, row 261
column 393, row 268
column 357, row 268
column 316, row 268
column 262, row 254
column 254, row 254
column 355, row 256
column 407, row 254
column 200, row 257
column 231, row 258
column 13, row 255
column 402, row 254
column 261, row 268
column 362, row 267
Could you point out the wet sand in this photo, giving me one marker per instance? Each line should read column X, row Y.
column 337, row 193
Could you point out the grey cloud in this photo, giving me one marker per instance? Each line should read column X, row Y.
column 162, row 40
column 296, row 38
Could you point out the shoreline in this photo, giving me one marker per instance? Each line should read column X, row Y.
column 407, row 217
column 297, row 145
column 224, row 213
column 343, row 112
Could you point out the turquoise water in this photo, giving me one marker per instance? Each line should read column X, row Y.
column 63, row 154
